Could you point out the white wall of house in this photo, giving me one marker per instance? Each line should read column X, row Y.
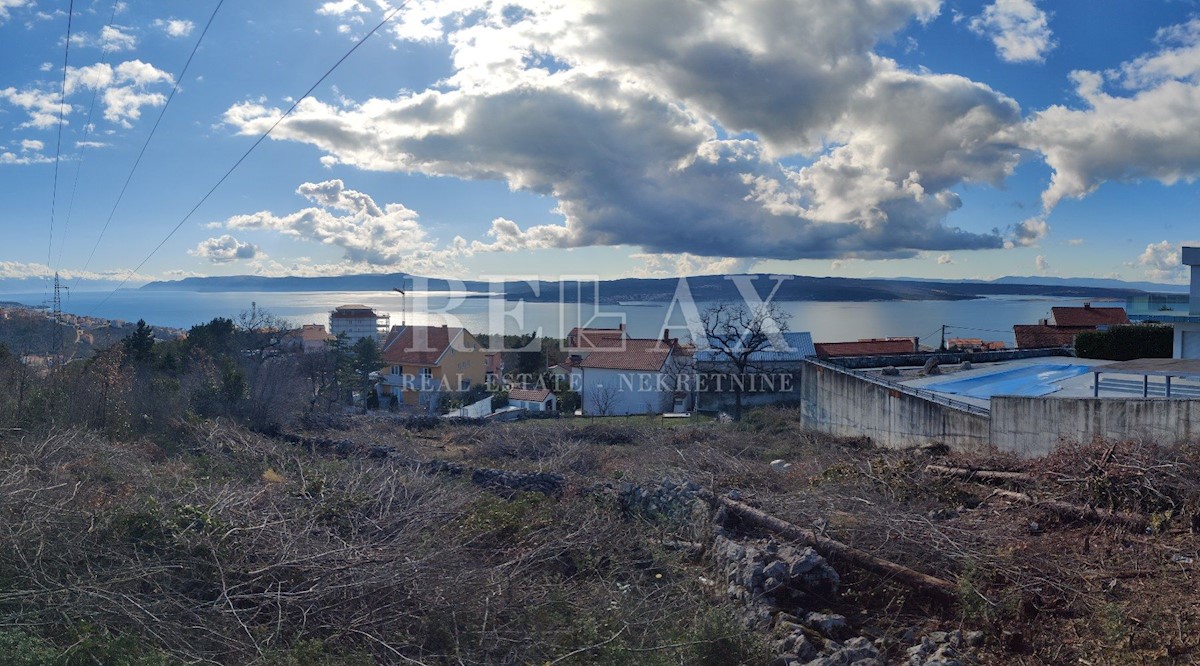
column 1187, row 340
column 533, row 405
column 607, row 392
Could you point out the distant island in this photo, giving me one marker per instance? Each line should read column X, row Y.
column 702, row 288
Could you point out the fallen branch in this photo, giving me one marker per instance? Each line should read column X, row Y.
column 1130, row 521
column 837, row 550
column 984, row 474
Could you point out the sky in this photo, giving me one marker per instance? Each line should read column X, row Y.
column 614, row 138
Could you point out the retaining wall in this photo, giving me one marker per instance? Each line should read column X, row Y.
column 842, row 403
column 1035, row 426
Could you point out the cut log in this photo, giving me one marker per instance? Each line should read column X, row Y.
column 838, row 551
column 1130, row 521
column 983, row 474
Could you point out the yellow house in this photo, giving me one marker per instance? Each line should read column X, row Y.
column 423, row 362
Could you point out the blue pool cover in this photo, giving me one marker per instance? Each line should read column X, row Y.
column 1029, row 381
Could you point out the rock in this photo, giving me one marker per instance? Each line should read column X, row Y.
column 829, row 624
column 780, row 466
column 535, row 482
column 965, row 365
column 890, row 371
column 939, row 636
column 973, row 638
column 931, row 367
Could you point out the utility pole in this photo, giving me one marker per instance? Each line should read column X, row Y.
column 943, row 347
column 56, row 353
column 403, row 302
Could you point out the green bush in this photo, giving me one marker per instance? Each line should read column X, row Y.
column 1125, row 343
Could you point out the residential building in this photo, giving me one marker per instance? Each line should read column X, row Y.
column 774, row 374
column 533, row 399
column 1065, row 323
column 493, row 363
column 357, row 322
column 1045, row 336
column 1088, row 317
column 308, row 339
column 1187, row 333
column 639, row 377
column 426, row 362
column 868, row 347
column 582, row 341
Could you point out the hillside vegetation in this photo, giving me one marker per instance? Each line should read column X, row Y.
column 375, row 543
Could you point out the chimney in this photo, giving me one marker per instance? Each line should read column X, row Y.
column 1043, row 322
column 621, row 327
column 916, row 345
column 667, row 335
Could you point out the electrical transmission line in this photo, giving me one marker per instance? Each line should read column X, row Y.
column 253, row 146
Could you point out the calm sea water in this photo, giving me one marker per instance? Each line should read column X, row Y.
column 989, row 318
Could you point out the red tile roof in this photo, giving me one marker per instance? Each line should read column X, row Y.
column 1038, row 336
column 1089, row 316
column 586, row 339
column 418, row 345
column 866, row 348
column 637, row 354
column 529, row 395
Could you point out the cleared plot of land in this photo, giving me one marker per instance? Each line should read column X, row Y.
column 231, row 547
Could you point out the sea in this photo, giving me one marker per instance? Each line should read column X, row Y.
column 990, row 318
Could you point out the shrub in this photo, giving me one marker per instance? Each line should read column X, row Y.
column 1125, row 343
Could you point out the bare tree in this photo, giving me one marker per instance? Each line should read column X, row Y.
column 736, row 334
column 603, row 399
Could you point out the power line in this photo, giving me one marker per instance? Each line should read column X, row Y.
column 87, row 131
column 256, row 143
column 149, row 138
column 62, row 101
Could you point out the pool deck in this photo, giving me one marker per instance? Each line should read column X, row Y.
column 1111, row 386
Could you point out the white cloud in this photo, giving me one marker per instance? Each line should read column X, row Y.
column 368, row 234
column 1029, row 233
column 46, row 66
column 32, row 144
column 176, row 28
column 1162, row 262
column 684, row 264
column 124, row 87
column 225, row 249
column 6, row 7
column 23, row 158
column 610, row 108
column 1041, row 264
column 1076, row 242
column 1151, row 133
column 16, row 270
column 945, row 260
column 1019, row 30
column 41, row 106
column 112, row 38
column 342, row 7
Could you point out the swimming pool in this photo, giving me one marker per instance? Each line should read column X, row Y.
column 1028, row 380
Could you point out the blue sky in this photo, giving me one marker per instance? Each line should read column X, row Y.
column 609, row 137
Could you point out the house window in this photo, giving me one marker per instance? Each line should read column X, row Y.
column 397, row 370
column 464, row 384
column 426, row 374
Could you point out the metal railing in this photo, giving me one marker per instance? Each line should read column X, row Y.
column 931, row 396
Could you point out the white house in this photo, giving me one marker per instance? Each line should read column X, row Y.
column 639, row 377
column 534, row 399
column 1187, row 334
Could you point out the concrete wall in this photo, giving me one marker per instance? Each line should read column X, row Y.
column 844, row 404
column 1035, row 426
